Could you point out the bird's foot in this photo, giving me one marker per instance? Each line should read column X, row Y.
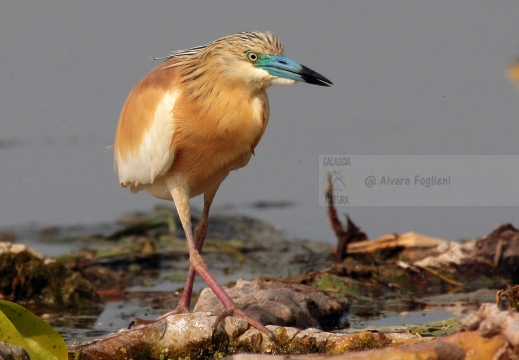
column 239, row 313
column 180, row 309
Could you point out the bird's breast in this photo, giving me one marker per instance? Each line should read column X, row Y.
column 211, row 143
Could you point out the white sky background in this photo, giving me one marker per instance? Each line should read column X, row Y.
column 411, row 78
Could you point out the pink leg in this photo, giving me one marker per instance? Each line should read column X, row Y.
column 184, row 304
column 181, row 198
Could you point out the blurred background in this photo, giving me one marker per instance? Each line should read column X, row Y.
column 410, row 77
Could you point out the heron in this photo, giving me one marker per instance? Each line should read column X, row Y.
column 192, row 120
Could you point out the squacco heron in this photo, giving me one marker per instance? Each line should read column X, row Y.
column 193, row 119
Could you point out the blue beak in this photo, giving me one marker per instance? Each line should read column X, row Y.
column 281, row 66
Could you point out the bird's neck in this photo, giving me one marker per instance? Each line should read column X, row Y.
column 229, row 101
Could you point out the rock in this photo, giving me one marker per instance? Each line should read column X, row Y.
column 190, row 336
column 480, row 345
column 177, row 336
column 276, row 303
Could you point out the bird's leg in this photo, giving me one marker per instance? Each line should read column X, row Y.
column 181, row 198
column 184, row 303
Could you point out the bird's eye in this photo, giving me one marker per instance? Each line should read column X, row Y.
column 252, row 56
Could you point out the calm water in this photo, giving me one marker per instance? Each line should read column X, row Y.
column 420, row 78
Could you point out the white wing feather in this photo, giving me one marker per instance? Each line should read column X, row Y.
column 155, row 155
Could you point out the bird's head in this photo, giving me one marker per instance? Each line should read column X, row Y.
column 257, row 59
column 253, row 58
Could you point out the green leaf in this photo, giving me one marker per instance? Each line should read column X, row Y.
column 18, row 326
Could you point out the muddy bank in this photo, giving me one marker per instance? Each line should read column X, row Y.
column 138, row 266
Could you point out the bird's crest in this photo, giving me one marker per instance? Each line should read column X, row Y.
column 250, row 38
column 178, row 53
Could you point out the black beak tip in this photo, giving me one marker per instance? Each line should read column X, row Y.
column 312, row 77
column 317, row 80
column 326, row 82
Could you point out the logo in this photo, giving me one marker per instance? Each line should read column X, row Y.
column 341, row 181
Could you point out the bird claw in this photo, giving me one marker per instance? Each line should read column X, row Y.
column 138, row 322
column 180, row 309
column 239, row 313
